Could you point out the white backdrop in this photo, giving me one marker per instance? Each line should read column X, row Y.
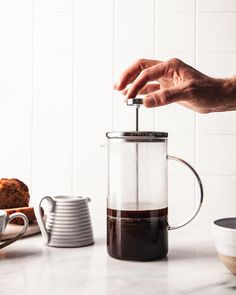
column 58, row 61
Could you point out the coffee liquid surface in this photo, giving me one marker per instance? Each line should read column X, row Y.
column 137, row 235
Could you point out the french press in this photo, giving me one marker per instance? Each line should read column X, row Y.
column 137, row 202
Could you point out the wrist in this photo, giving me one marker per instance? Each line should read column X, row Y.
column 229, row 91
column 225, row 94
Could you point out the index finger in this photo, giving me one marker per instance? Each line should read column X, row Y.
column 131, row 73
column 151, row 74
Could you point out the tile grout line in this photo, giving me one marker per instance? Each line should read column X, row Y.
column 190, row 11
column 32, row 102
column 195, row 116
column 170, row 52
column 154, row 115
column 74, row 11
column 113, row 64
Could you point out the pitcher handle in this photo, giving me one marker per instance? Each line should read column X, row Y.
column 20, row 235
column 201, row 193
column 39, row 217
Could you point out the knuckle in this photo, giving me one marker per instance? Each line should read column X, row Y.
column 145, row 74
column 174, row 61
column 140, row 61
column 164, row 96
column 126, row 75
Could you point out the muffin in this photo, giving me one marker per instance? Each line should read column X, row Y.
column 13, row 193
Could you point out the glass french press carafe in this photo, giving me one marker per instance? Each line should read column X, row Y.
column 137, row 204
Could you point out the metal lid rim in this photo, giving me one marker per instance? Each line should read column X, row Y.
column 136, row 134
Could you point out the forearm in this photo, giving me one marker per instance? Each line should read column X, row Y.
column 228, row 95
column 208, row 95
column 218, row 95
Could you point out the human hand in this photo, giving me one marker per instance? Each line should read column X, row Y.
column 175, row 81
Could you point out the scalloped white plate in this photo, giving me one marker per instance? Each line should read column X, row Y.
column 13, row 229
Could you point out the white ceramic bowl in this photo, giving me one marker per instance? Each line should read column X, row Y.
column 224, row 231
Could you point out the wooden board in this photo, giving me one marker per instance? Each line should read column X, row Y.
column 13, row 229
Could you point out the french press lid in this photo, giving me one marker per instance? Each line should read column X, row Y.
column 138, row 135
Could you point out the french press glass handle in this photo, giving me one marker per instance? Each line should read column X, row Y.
column 171, row 227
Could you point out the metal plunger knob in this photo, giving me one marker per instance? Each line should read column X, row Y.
column 136, row 102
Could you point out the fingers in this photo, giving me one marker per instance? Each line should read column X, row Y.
column 163, row 97
column 149, row 88
column 146, row 89
column 130, row 74
column 150, row 74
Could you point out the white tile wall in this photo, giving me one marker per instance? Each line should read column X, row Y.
column 16, row 31
column 94, row 5
column 217, row 5
column 54, row 5
column 133, row 38
column 134, row 6
column 12, row 66
column 181, row 146
column 213, row 32
column 52, row 153
column 15, row 152
column 12, row 120
column 175, row 6
column 183, row 119
column 95, row 32
column 90, row 153
column 176, row 35
column 217, row 64
column 216, row 154
column 217, row 123
column 88, row 118
column 50, row 185
column 59, row 59
column 52, row 31
column 89, row 77
column 14, row 5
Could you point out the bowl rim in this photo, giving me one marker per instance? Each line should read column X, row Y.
column 223, row 227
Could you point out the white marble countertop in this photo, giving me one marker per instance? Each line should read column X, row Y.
column 30, row 268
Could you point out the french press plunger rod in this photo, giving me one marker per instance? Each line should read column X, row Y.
column 136, row 102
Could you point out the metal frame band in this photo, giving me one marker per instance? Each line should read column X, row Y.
column 143, row 136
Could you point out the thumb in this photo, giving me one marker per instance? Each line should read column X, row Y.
column 162, row 97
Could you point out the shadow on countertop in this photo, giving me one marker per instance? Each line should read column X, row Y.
column 8, row 254
column 190, row 254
